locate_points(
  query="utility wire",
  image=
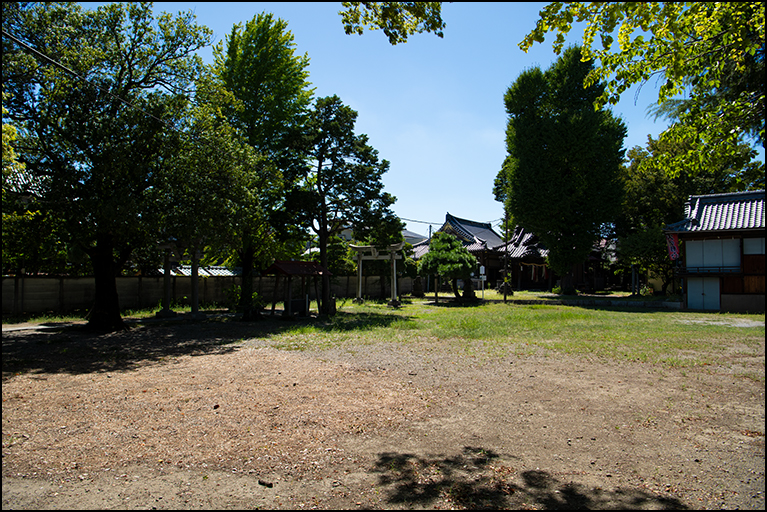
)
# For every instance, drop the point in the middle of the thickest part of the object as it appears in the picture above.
(84, 79)
(105, 91)
(419, 221)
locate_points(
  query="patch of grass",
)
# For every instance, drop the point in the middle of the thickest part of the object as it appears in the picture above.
(494, 330)
(43, 318)
(364, 324)
(670, 338)
(81, 315)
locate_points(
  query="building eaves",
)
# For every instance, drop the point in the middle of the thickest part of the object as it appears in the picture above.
(734, 211)
(471, 231)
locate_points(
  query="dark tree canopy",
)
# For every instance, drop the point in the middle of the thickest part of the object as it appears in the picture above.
(562, 171)
(93, 94)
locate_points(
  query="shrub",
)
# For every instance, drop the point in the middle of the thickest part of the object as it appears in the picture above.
(233, 293)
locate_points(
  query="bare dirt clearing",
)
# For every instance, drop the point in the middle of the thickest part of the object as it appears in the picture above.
(190, 416)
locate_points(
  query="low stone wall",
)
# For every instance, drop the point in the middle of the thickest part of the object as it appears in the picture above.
(648, 304)
(64, 294)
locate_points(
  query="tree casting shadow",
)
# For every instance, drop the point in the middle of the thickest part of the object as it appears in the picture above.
(76, 350)
(477, 479)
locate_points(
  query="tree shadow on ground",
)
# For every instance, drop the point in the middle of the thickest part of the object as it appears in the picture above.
(479, 479)
(76, 350)
(452, 302)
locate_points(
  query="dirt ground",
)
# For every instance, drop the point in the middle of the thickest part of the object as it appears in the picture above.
(185, 416)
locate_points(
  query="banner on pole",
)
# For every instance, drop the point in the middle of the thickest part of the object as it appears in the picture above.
(672, 241)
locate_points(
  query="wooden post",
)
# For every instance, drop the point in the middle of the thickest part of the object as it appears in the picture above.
(195, 283)
(288, 310)
(358, 300)
(506, 280)
(274, 296)
(394, 302)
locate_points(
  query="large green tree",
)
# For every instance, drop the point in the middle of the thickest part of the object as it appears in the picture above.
(564, 157)
(92, 93)
(344, 188)
(260, 66)
(198, 197)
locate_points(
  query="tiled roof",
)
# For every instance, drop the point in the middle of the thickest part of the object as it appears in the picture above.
(476, 236)
(722, 212)
(523, 244)
(412, 237)
(420, 249)
(220, 271)
(186, 270)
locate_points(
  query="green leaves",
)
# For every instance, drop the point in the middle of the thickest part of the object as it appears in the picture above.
(561, 173)
(447, 258)
(699, 43)
(398, 20)
(261, 68)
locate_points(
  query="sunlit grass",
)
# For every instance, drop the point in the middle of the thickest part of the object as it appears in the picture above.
(496, 330)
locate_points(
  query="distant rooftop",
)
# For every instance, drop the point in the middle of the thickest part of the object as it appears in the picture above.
(475, 236)
(722, 212)
(207, 271)
(411, 237)
(523, 244)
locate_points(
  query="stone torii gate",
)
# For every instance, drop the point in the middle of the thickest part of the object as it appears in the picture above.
(370, 252)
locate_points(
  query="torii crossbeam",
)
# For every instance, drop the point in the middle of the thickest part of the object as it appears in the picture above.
(370, 252)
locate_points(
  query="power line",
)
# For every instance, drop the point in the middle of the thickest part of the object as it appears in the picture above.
(500, 221)
(84, 79)
(419, 221)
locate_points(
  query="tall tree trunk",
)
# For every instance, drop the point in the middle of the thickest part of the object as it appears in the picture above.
(324, 308)
(568, 283)
(454, 285)
(468, 289)
(247, 256)
(105, 313)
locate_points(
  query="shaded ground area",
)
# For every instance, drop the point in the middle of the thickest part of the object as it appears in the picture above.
(209, 415)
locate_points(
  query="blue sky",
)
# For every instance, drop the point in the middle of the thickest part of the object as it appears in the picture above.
(432, 107)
